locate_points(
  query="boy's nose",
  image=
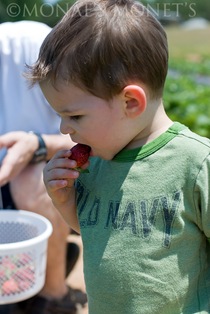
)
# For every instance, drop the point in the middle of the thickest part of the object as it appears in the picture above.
(65, 128)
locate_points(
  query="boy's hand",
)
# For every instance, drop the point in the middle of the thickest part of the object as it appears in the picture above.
(59, 175)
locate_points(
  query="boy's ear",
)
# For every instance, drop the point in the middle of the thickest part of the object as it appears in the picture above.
(135, 100)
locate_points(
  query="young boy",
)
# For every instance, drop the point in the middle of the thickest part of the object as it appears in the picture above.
(143, 209)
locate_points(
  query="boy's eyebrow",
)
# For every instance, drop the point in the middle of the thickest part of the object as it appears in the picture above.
(66, 111)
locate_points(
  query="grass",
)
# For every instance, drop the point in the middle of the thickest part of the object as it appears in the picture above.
(189, 50)
(188, 44)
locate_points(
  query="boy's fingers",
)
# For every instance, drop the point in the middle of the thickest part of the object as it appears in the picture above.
(62, 154)
(63, 174)
(54, 185)
(57, 178)
(61, 160)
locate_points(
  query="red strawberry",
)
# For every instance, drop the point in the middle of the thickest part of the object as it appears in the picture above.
(9, 287)
(80, 153)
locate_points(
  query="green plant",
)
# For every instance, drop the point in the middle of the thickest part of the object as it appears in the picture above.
(188, 102)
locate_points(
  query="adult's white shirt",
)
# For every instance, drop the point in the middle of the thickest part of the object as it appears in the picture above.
(22, 108)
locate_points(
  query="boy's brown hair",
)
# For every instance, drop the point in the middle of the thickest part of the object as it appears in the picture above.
(104, 45)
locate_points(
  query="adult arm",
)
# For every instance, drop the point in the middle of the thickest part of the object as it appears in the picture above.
(20, 150)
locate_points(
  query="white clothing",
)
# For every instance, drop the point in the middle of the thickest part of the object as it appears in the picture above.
(22, 108)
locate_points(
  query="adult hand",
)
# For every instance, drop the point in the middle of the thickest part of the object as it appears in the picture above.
(20, 149)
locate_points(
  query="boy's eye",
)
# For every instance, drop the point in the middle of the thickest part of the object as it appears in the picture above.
(76, 117)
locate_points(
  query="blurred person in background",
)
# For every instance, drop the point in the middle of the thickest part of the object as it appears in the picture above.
(29, 136)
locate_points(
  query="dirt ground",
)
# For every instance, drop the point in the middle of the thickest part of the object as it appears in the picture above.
(76, 278)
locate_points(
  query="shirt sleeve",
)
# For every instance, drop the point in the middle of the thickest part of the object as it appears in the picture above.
(202, 196)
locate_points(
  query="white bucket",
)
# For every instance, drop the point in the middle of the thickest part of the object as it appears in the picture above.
(23, 254)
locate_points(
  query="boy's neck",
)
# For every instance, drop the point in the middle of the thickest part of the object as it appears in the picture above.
(157, 125)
